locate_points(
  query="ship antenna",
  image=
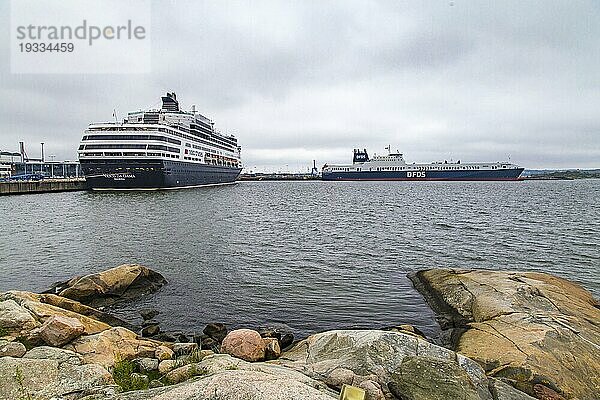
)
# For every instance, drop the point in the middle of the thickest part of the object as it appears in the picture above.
(115, 115)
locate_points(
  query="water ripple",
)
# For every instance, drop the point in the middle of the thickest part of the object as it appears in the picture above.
(312, 255)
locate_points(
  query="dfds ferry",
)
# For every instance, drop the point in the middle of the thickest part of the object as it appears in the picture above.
(393, 168)
(156, 149)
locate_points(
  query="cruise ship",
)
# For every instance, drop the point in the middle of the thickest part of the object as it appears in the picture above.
(158, 149)
(392, 167)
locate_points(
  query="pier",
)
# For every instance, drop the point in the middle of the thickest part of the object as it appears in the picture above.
(42, 186)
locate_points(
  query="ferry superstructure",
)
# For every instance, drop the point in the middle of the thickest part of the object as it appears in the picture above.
(392, 167)
(158, 149)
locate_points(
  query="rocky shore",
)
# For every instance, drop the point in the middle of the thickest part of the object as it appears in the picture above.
(507, 335)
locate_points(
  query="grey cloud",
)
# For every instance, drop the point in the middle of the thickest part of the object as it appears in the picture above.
(303, 80)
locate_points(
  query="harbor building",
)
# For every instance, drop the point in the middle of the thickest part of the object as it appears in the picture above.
(15, 164)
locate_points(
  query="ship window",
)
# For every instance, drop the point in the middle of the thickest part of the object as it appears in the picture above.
(114, 146)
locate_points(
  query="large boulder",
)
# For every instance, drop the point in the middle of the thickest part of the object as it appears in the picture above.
(59, 330)
(530, 329)
(54, 353)
(380, 362)
(419, 378)
(15, 319)
(124, 282)
(113, 344)
(245, 344)
(43, 379)
(82, 309)
(221, 377)
(42, 307)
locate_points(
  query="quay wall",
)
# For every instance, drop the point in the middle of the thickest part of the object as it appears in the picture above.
(43, 186)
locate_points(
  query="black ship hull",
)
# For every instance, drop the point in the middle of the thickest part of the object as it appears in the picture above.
(512, 174)
(153, 174)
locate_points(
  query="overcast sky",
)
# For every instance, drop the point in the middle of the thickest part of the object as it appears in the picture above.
(303, 80)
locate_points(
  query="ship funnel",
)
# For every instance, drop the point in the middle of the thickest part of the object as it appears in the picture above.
(170, 103)
(360, 156)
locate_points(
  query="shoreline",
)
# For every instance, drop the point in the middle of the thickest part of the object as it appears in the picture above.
(477, 310)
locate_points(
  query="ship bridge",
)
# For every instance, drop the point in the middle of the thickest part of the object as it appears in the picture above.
(396, 158)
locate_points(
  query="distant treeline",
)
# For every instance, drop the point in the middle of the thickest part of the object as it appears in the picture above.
(565, 174)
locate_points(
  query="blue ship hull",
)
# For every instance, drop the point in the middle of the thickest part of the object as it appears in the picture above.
(455, 175)
(154, 174)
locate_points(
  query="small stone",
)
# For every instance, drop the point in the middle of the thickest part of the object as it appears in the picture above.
(146, 364)
(59, 330)
(270, 333)
(163, 353)
(406, 328)
(287, 339)
(149, 322)
(216, 331)
(183, 373)
(199, 337)
(151, 330)
(205, 353)
(272, 349)
(245, 344)
(166, 366)
(148, 313)
(165, 337)
(372, 390)
(155, 383)
(503, 391)
(209, 343)
(184, 348)
(12, 349)
(182, 338)
(545, 393)
(34, 338)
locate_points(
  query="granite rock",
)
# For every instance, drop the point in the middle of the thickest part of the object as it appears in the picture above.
(105, 347)
(377, 359)
(59, 330)
(43, 379)
(222, 377)
(245, 344)
(124, 282)
(527, 328)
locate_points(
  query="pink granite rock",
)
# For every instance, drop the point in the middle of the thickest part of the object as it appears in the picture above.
(245, 344)
(59, 330)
